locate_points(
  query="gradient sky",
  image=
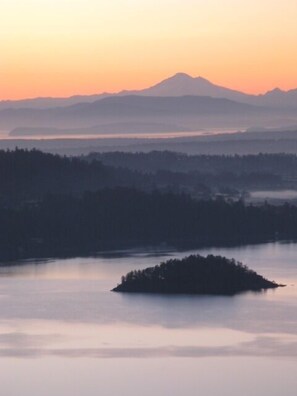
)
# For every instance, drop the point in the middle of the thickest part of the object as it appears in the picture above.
(65, 47)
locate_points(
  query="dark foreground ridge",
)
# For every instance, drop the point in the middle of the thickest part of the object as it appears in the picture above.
(195, 275)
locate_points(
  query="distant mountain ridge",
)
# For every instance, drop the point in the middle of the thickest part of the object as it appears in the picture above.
(177, 104)
(181, 84)
(153, 113)
(279, 98)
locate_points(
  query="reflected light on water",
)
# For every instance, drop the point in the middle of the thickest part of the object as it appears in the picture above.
(60, 320)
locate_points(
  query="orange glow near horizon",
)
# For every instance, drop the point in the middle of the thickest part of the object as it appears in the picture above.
(67, 47)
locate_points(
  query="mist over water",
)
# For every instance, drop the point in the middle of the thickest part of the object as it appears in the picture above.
(59, 319)
(141, 135)
(274, 194)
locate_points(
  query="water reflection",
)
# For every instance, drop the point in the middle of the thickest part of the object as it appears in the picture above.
(51, 338)
(274, 194)
(74, 294)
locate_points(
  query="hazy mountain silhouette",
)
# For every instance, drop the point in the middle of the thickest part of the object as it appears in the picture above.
(180, 84)
(186, 112)
(157, 105)
(179, 103)
(48, 102)
(279, 98)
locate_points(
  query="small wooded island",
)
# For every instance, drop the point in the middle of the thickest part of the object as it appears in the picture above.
(212, 275)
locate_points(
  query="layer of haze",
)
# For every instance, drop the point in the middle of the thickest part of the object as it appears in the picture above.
(64, 47)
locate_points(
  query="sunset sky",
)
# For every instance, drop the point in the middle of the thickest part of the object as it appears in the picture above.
(66, 47)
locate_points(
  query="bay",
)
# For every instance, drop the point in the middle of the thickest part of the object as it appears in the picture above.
(62, 332)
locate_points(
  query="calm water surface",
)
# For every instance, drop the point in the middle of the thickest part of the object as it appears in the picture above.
(62, 332)
(278, 195)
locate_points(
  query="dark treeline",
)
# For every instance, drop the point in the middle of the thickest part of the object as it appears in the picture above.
(277, 164)
(281, 166)
(216, 173)
(51, 205)
(29, 175)
(207, 184)
(121, 218)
